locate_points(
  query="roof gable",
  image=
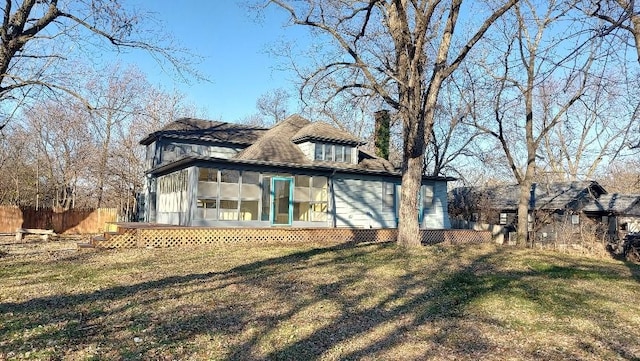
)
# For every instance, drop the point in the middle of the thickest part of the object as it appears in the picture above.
(275, 145)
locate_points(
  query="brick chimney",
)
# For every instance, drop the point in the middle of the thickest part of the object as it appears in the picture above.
(381, 133)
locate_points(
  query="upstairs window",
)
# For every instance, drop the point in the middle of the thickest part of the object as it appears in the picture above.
(333, 153)
(319, 152)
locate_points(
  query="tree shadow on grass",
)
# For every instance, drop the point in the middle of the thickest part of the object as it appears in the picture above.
(350, 301)
(74, 319)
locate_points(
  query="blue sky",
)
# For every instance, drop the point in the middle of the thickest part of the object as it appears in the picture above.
(234, 47)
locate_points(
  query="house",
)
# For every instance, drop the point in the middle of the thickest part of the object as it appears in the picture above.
(619, 213)
(298, 173)
(552, 207)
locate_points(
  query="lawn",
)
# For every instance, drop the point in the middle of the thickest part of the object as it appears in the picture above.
(318, 302)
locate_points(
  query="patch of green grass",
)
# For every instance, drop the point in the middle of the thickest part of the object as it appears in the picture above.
(319, 302)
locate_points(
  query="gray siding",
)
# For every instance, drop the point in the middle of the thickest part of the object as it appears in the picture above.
(151, 157)
(357, 202)
(437, 215)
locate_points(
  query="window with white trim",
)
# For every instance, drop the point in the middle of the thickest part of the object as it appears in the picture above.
(333, 152)
(503, 218)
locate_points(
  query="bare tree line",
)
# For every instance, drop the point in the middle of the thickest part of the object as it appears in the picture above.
(69, 124)
(64, 155)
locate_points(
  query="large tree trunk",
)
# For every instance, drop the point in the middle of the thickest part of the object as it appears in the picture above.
(418, 129)
(523, 212)
(526, 179)
(408, 227)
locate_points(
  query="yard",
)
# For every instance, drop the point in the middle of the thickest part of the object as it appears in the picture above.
(324, 302)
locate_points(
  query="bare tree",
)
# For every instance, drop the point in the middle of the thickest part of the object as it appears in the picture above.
(272, 108)
(622, 177)
(452, 139)
(38, 39)
(116, 95)
(618, 15)
(398, 51)
(62, 151)
(18, 167)
(620, 25)
(593, 132)
(531, 59)
(127, 158)
(273, 105)
(126, 108)
(69, 156)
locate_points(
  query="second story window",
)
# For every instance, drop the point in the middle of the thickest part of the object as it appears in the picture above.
(333, 152)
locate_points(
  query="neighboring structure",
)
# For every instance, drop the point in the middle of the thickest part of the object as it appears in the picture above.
(553, 208)
(298, 173)
(619, 214)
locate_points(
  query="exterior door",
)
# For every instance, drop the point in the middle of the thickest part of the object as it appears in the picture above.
(281, 201)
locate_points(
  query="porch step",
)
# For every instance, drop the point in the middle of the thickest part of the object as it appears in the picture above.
(84, 245)
(98, 239)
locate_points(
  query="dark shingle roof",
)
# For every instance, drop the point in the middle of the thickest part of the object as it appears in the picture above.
(561, 195)
(324, 132)
(279, 145)
(627, 204)
(275, 145)
(548, 196)
(367, 160)
(186, 124)
(207, 130)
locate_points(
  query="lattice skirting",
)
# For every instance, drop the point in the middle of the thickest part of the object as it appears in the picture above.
(185, 236)
(454, 236)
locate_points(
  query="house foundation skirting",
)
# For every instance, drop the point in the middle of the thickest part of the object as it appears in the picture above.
(162, 237)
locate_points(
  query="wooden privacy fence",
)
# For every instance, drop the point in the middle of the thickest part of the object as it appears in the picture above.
(159, 237)
(74, 221)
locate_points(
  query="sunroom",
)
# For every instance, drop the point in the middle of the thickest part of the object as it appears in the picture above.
(253, 198)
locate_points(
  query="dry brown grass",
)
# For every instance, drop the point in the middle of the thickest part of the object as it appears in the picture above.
(318, 302)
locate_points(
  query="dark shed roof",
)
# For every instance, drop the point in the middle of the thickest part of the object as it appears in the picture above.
(548, 196)
(622, 204)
